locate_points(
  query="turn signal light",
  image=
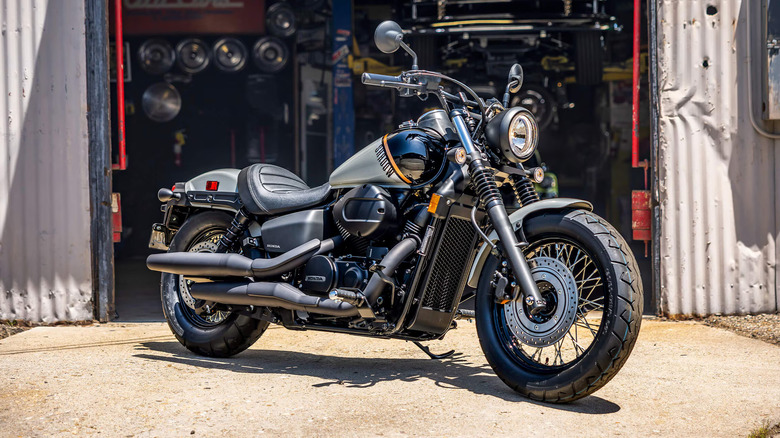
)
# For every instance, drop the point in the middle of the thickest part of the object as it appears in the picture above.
(212, 186)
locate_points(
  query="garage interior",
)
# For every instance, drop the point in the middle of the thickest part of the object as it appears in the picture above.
(227, 83)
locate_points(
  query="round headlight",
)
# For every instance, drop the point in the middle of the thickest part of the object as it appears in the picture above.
(513, 134)
(523, 135)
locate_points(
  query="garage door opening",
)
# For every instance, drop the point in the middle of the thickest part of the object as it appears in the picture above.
(224, 84)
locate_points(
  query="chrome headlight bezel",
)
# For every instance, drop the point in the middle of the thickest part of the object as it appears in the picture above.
(502, 130)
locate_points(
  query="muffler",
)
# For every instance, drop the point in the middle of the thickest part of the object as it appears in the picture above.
(203, 264)
(269, 294)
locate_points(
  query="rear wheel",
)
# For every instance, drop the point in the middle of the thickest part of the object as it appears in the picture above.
(199, 325)
(590, 281)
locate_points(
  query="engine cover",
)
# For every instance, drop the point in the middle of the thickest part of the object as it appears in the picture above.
(319, 274)
(322, 274)
(366, 211)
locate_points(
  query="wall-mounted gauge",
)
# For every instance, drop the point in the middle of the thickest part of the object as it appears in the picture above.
(161, 102)
(270, 54)
(193, 55)
(156, 56)
(280, 19)
(229, 54)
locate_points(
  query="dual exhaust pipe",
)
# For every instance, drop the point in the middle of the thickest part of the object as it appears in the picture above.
(270, 293)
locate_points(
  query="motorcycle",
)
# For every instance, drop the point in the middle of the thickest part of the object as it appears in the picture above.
(387, 247)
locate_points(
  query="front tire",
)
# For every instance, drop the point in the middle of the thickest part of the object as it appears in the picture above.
(196, 326)
(591, 281)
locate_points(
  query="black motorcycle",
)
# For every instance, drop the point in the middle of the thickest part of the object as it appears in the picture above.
(389, 245)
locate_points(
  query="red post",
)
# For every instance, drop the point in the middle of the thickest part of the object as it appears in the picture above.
(120, 85)
(635, 89)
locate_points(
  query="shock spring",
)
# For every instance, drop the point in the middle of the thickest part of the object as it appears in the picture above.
(237, 227)
(485, 184)
(524, 190)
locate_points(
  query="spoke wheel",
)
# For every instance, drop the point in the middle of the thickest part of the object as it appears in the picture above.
(197, 324)
(580, 340)
(200, 312)
(572, 285)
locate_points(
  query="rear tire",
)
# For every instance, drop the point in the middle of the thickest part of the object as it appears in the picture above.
(590, 58)
(592, 359)
(226, 334)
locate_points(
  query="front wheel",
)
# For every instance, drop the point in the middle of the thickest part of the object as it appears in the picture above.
(590, 281)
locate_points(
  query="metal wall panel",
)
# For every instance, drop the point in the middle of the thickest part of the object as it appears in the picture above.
(45, 272)
(717, 177)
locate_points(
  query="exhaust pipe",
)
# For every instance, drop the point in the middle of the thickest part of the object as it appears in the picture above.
(269, 294)
(203, 264)
(390, 261)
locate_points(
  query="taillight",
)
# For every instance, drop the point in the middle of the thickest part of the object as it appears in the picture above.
(212, 186)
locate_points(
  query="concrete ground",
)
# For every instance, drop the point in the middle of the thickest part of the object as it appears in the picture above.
(683, 379)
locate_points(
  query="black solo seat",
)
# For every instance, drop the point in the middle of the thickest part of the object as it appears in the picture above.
(266, 189)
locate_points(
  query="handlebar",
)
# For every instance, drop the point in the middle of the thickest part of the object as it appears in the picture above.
(383, 80)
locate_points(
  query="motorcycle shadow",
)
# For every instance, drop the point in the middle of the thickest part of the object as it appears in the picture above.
(456, 372)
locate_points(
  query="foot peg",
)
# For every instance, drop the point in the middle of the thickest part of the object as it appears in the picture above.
(465, 314)
(427, 351)
(355, 298)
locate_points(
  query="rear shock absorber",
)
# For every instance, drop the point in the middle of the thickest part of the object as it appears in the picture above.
(237, 227)
(524, 190)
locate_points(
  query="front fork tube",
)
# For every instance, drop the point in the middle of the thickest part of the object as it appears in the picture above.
(518, 262)
(488, 192)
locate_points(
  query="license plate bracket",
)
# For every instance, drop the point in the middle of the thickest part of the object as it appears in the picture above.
(159, 237)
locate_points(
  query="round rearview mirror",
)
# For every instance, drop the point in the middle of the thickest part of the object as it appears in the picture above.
(388, 36)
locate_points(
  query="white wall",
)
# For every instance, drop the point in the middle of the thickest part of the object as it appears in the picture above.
(45, 271)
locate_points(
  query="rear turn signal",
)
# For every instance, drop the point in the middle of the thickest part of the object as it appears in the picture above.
(212, 186)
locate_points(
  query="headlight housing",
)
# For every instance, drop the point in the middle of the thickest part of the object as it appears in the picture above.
(513, 134)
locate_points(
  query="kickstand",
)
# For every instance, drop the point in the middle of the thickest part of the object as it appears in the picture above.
(431, 355)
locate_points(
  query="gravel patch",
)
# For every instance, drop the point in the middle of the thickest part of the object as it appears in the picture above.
(7, 330)
(764, 327)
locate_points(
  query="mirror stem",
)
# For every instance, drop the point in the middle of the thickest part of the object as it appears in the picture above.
(506, 94)
(411, 52)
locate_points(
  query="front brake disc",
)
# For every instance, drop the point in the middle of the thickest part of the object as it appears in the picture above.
(559, 289)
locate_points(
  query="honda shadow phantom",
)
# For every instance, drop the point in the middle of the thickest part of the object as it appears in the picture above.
(403, 233)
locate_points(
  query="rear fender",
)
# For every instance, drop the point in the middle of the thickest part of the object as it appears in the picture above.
(517, 219)
(224, 198)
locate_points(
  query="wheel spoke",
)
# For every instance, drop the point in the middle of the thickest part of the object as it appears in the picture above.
(593, 303)
(558, 352)
(565, 343)
(577, 347)
(581, 317)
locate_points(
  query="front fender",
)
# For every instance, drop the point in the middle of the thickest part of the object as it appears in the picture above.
(516, 219)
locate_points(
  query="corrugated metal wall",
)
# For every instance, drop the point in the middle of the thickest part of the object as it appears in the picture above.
(717, 178)
(45, 272)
